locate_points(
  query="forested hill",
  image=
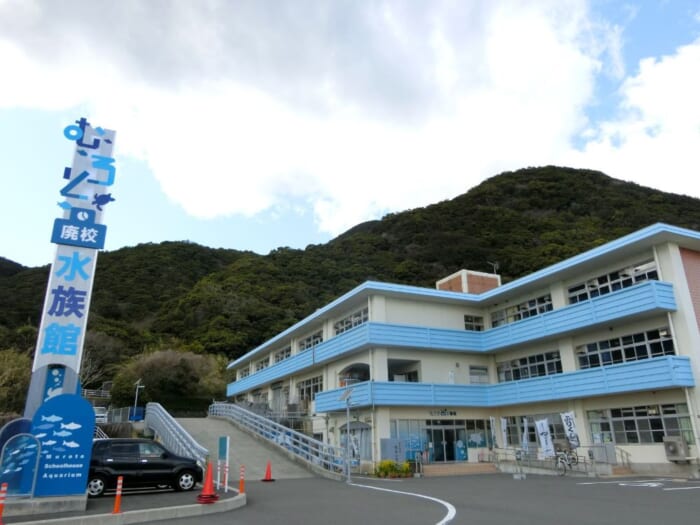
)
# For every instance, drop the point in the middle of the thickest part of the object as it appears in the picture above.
(181, 295)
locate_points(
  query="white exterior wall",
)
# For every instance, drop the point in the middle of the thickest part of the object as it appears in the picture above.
(400, 311)
(453, 367)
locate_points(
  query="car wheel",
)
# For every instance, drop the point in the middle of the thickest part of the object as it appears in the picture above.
(185, 480)
(96, 486)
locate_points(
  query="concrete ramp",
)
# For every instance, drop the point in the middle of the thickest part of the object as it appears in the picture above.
(244, 450)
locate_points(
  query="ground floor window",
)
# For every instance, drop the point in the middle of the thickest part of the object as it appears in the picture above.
(360, 440)
(521, 431)
(441, 440)
(640, 424)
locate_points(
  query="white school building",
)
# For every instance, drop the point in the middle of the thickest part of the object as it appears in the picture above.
(609, 338)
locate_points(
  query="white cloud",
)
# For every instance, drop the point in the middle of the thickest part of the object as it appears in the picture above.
(357, 108)
(656, 139)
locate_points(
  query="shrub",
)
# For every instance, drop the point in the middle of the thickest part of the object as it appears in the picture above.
(388, 468)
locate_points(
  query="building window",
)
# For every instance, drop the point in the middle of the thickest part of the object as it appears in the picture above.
(613, 281)
(528, 367)
(642, 345)
(308, 388)
(283, 354)
(352, 320)
(641, 424)
(524, 310)
(478, 374)
(311, 341)
(514, 429)
(262, 364)
(244, 372)
(474, 322)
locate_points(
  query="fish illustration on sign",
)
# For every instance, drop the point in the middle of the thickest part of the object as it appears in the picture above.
(49, 443)
(52, 418)
(71, 444)
(71, 426)
(39, 436)
(45, 426)
(62, 433)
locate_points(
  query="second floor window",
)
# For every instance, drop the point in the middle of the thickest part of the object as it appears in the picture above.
(524, 310)
(632, 347)
(309, 387)
(537, 365)
(474, 322)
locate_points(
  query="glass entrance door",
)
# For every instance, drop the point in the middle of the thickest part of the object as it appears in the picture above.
(443, 441)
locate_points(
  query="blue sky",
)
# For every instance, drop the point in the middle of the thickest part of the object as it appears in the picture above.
(259, 124)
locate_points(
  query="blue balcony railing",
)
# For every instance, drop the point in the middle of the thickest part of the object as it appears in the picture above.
(649, 374)
(645, 299)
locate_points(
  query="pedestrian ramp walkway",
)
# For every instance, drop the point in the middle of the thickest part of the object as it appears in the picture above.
(244, 450)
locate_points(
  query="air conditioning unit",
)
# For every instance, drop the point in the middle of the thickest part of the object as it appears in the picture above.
(676, 448)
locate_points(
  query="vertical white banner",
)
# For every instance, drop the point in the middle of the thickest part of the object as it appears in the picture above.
(568, 419)
(545, 438)
(492, 421)
(504, 432)
(524, 437)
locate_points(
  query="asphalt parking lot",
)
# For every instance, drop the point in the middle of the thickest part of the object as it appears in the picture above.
(475, 500)
(494, 499)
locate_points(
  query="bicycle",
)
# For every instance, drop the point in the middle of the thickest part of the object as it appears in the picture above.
(565, 459)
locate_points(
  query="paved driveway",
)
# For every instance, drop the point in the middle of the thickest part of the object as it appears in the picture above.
(495, 499)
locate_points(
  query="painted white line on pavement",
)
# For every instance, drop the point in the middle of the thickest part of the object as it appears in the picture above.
(621, 481)
(686, 488)
(451, 511)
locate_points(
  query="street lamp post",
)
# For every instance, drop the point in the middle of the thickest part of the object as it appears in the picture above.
(346, 397)
(138, 386)
(347, 437)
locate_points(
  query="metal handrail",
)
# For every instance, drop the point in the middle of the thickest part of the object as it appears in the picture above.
(530, 459)
(310, 451)
(175, 438)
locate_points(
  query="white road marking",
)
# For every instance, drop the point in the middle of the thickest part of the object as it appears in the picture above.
(686, 488)
(618, 482)
(451, 511)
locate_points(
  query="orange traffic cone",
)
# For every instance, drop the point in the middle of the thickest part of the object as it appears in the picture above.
(208, 495)
(268, 472)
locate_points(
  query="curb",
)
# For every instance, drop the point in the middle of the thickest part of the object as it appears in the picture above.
(148, 515)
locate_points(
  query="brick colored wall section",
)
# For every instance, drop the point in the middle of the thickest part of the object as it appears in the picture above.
(452, 285)
(691, 265)
(481, 283)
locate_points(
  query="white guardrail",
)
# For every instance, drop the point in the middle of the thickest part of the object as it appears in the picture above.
(172, 435)
(311, 451)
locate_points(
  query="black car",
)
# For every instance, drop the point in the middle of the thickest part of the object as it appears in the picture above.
(141, 463)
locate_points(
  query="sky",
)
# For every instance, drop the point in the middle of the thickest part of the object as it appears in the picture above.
(259, 124)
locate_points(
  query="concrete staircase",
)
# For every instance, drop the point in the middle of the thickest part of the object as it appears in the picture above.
(458, 469)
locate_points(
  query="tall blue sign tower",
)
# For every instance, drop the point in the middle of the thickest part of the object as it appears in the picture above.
(54, 439)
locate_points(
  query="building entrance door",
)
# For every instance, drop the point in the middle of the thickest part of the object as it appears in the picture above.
(443, 440)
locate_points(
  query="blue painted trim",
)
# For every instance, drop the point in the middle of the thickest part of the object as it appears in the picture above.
(646, 237)
(647, 298)
(649, 374)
